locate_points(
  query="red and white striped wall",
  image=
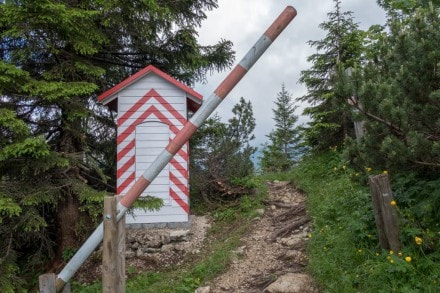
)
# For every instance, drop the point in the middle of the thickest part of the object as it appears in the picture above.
(144, 129)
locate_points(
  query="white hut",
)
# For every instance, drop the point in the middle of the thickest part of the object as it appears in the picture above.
(152, 107)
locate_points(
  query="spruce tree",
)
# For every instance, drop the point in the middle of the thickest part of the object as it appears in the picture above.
(283, 149)
(340, 48)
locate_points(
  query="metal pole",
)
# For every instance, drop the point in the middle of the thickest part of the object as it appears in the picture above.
(180, 139)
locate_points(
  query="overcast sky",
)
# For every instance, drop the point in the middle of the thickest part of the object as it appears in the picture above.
(244, 21)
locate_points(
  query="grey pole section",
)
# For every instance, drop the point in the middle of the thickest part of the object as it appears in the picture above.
(180, 139)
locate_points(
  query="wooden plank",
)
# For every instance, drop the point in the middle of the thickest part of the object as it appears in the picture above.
(110, 242)
(126, 102)
(385, 213)
(132, 121)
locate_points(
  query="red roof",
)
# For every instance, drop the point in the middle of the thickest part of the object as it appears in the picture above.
(194, 104)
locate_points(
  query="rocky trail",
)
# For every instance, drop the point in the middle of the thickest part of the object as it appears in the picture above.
(272, 256)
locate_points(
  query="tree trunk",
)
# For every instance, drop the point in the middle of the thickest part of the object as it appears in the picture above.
(67, 217)
(68, 212)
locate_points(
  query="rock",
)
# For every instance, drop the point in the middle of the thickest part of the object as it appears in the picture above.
(130, 254)
(152, 250)
(179, 247)
(165, 239)
(130, 238)
(179, 235)
(225, 287)
(279, 184)
(260, 211)
(240, 250)
(285, 199)
(291, 241)
(297, 257)
(291, 283)
(206, 289)
(155, 243)
(167, 247)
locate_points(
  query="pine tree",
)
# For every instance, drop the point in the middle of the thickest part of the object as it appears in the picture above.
(329, 113)
(57, 145)
(283, 149)
(399, 94)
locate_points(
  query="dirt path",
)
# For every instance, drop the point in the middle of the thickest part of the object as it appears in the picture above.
(272, 258)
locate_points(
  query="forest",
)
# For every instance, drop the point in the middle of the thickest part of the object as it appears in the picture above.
(58, 151)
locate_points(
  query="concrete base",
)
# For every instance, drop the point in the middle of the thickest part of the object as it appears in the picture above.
(169, 225)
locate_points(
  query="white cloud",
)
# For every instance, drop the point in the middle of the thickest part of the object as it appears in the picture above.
(243, 22)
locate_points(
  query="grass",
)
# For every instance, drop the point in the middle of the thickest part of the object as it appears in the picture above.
(343, 251)
(224, 237)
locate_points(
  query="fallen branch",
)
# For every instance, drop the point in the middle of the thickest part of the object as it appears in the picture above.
(293, 211)
(278, 204)
(284, 231)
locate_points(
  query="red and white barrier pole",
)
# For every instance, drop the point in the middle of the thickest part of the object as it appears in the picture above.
(180, 139)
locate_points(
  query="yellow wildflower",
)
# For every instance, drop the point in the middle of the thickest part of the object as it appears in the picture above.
(391, 260)
(393, 203)
(344, 167)
(418, 240)
(408, 259)
(385, 172)
(309, 235)
(399, 254)
(391, 252)
(335, 169)
(368, 169)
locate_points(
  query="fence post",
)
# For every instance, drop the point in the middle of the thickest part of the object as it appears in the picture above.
(47, 284)
(120, 254)
(110, 247)
(385, 213)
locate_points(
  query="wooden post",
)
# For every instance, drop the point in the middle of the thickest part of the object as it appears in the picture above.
(47, 284)
(120, 255)
(113, 272)
(384, 212)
